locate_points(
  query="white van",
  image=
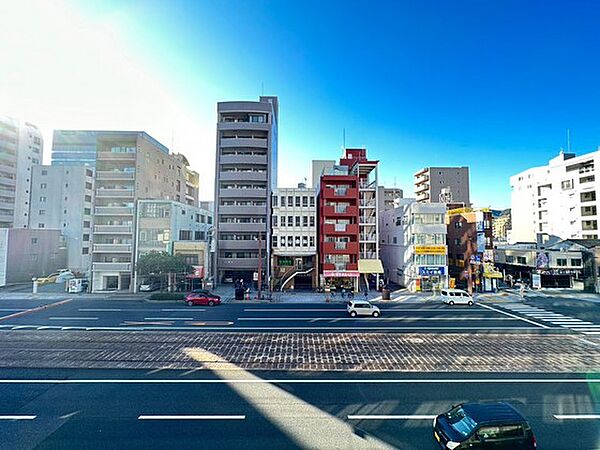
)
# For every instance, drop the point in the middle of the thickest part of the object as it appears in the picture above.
(362, 308)
(457, 297)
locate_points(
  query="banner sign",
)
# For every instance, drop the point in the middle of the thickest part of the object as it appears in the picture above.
(430, 249)
(340, 273)
(429, 271)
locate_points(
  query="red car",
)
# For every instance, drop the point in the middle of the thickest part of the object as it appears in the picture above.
(202, 298)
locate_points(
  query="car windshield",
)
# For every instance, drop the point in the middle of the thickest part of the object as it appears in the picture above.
(460, 421)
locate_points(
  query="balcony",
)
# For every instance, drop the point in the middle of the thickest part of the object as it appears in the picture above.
(339, 193)
(114, 210)
(372, 237)
(110, 156)
(368, 255)
(109, 192)
(242, 193)
(243, 126)
(243, 176)
(242, 227)
(342, 229)
(251, 244)
(339, 266)
(421, 188)
(244, 142)
(6, 218)
(367, 186)
(422, 178)
(111, 266)
(114, 175)
(113, 229)
(344, 248)
(422, 196)
(243, 210)
(330, 210)
(112, 248)
(367, 220)
(243, 159)
(237, 263)
(7, 193)
(368, 203)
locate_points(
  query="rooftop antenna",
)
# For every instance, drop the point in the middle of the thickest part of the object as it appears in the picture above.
(394, 182)
(568, 140)
(344, 138)
(262, 88)
(172, 140)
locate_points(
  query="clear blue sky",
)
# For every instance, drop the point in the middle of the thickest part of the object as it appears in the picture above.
(492, 85)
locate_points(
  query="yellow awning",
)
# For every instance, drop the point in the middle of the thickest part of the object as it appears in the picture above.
(370, 266)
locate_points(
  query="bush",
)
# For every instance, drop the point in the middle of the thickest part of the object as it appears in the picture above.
(167, 296)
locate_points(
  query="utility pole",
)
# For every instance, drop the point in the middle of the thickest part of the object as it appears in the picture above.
(259, 265)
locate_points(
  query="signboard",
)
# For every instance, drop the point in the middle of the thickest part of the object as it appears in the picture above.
(536, 281)
(542, 261)
(429, 271)
(430, 249)
(488, 255)
(340, 273)
(475, 259)
(479, 226)
(480, 242)
(455, 211)
(255, 276)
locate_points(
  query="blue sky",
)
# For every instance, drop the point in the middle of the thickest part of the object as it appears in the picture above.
(492, 85)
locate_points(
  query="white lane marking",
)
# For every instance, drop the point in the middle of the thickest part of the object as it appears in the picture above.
(191, 417)
(12, 309)
(547, 316)
(512, 315)
(585, 325)
(577, 416)
(300, 319)
(303, 381)
(392, 417)
(571, 321)
(593, 333)
(274, 328)
(168, 318)
(17, 417)
(99, 309)
(73, 318)
(181, 309)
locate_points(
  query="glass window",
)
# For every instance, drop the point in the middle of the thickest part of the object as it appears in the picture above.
(312, 221)
(460, 421)
(297, 221)
(297, 200)
(304, 201)
(312, 201)
(274, 241)
(290, 201)
(290, 221)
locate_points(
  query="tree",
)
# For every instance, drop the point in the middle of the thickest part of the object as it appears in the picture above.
(162, 263)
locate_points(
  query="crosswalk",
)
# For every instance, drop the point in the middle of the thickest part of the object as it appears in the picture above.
(556, 319)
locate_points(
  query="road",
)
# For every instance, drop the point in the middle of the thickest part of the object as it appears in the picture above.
(132, 409)
(420, 315)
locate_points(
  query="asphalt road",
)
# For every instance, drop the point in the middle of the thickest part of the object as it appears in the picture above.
(62, 409)
(417, 316)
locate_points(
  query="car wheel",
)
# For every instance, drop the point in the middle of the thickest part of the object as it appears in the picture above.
(375, 313)
(190, 303)
(470, 302)
(353, 314)
(211, 303)
(451, 302)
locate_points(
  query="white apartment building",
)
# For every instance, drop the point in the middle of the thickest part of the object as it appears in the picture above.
(413, 245)
(62, 199)
(21, 147)
(556, 200)
(294, 238)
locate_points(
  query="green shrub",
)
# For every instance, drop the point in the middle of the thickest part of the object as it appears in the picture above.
(167, 296)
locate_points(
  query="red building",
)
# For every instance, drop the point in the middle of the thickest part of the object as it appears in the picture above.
(348, 238)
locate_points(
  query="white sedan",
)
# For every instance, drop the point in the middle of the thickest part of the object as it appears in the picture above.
(362, 308)
(457, 297)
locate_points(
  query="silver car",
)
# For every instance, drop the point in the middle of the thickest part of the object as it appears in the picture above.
(362, 308)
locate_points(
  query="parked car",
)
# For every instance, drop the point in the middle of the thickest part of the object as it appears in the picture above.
(195, 299)
(496, 425)
(457, 297)
(149, 286)
(362, 308)
(48, 279)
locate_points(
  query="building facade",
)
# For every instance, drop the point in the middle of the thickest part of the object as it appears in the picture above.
(294, 238)
(471, 249)
(413, 245)
(130, 166)
(246, 174)
(175, 228)
(388, 198)
(30, 253)
(430, 182)
(62, 199)
(75, 147)
(556, 200)
(501, 226)
(21, 147)
(348, 227)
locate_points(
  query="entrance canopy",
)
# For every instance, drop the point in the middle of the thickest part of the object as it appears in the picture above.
(370, 266)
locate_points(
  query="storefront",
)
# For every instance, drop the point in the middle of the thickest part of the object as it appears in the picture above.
(431, 278)
(431, 267)
(341, 279)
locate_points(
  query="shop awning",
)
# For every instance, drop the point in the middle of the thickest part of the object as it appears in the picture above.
(370, 266)
(198, 272)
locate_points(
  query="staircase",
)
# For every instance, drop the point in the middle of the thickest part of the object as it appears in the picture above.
(296, 272)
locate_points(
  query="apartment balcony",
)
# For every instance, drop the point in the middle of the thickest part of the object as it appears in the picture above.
(243, 176)
(111, 266)
(367, 203)
(368, 237)
(422, 178)
(114, 210)
(242, 193)
(243, 210)
(339, 266)
(423, 187)
(113, 229)
(7, 193)
(7, 181)
(330, 210)
(5, 218)
(243, 159)
(339, 193)
(114, 175)
(112, 248)
(110, 156)
(237, 263)
(368, 255)
(341, 229)
(367, 220)
(7, 205)
(119, 193)
(243, 126)
(243, 227)
(421, 196)
(340, 248)
(244, 142)
(251, 244)
(367, 186)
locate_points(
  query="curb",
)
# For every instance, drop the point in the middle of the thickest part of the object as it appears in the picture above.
(38, 308)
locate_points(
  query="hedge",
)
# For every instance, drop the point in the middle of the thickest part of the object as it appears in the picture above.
(167, 296)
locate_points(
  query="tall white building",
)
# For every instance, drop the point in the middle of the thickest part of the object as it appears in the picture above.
(556, 200)
(413, 245)
(21, 147)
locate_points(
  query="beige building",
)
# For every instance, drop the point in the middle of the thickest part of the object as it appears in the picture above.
(501, 226)
(130, 166)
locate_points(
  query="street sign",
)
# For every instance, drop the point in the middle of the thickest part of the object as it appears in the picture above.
(255, 276)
